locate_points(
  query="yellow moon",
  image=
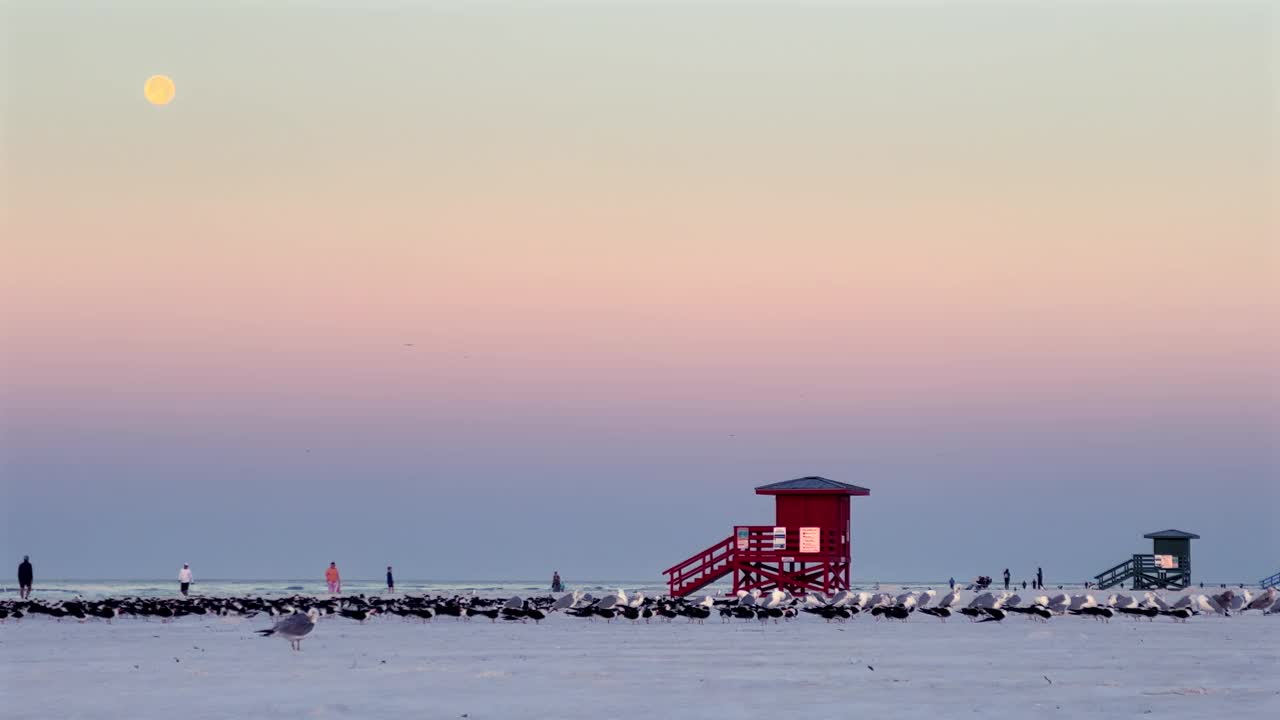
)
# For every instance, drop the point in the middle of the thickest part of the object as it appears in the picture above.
(158, 90)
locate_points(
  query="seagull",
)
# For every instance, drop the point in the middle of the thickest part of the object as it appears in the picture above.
(985, 600)
(1122, 602)
(1222, 603)
(1059, 603)
(1080, 602)
(294, 628)
(1154, 599)
(1263, 601)
(939, 612)
(993, 614)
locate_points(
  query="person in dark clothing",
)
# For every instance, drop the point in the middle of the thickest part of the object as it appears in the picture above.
(953, 583)
(26, 576)
(1040, 578)
(1024, 584)
(391, 581)
(556, 585)
(1006, 578)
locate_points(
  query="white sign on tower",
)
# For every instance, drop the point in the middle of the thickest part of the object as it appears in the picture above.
(810, 539)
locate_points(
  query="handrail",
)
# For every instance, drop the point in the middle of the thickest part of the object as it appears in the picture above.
(701, 568)
(1270, 582)
(1118, 574)
(1127, 564)
(698, 556)
(705, 564)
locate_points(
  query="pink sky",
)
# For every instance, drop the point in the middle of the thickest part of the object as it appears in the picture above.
(842, 232)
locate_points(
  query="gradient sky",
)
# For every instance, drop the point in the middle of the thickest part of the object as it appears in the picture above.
(1012, 267)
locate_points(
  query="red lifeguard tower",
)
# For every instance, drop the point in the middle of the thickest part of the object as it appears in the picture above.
(807, 550)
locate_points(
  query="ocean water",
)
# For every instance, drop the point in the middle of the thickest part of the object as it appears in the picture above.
(99, 588)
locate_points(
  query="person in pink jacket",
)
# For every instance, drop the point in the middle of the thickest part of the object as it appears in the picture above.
(332, 577)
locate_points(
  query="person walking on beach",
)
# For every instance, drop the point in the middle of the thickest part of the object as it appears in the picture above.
(26, 576)
(953, 583)
(1039, 578)
(391, 581)
(556, 585)
(332, 577)
(1006, 578)
(184, 579)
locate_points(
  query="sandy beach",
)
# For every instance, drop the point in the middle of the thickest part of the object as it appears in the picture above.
(569, 668)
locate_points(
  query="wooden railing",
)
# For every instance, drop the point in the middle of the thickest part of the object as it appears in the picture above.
(1273, 581)
(1115, 575)
(700, 569)
(760, 544)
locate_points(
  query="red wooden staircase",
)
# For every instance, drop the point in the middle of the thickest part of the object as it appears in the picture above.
(701, 569)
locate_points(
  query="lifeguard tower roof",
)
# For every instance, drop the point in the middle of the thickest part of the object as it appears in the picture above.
(811, 484)
(1171, 535)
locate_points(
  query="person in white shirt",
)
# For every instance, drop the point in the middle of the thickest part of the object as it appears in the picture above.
(184, 579)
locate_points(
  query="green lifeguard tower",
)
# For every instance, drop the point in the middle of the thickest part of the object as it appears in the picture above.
(1168, 567)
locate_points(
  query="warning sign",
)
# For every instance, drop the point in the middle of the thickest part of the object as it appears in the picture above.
(810, 539)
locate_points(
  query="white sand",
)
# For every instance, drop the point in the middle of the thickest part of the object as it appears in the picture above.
(569, 668)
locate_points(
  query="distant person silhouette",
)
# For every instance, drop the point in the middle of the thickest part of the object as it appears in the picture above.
(1040, 578)
(26, 576)
(184, 579)
(332, 577)
(391, 581)
(1006, 578)
(556, 585)
(953, 583)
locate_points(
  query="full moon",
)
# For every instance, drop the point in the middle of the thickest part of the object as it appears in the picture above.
(158, 90)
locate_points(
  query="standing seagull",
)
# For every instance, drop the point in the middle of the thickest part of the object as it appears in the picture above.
(294, 628)
(1262, 602)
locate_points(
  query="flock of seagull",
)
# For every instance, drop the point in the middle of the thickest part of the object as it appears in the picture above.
(295, 617)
